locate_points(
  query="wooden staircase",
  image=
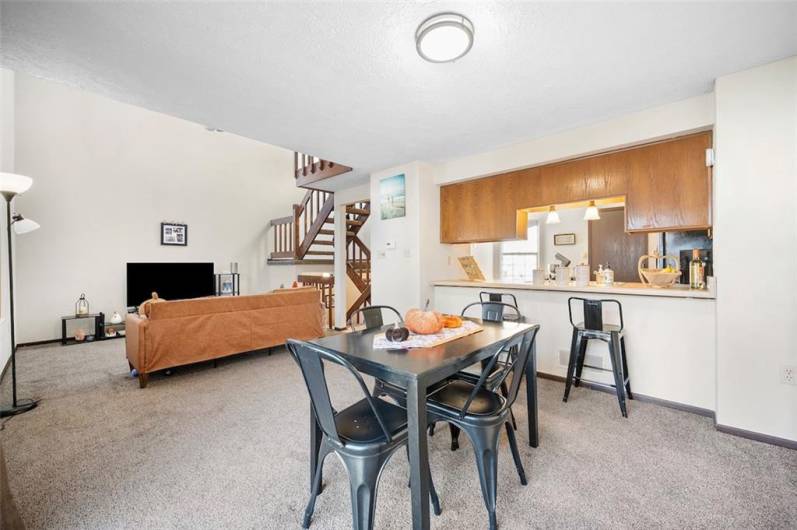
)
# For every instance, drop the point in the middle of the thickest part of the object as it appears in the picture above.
(358, 255)
(309, 170)
(307, 236)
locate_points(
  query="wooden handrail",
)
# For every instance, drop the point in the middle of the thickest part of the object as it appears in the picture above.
(308, 169)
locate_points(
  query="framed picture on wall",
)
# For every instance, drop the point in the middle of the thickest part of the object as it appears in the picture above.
(564, 239)
(174, 234)
(392, 197)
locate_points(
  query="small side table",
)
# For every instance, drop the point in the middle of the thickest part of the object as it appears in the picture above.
(228, 284)
(97, 326)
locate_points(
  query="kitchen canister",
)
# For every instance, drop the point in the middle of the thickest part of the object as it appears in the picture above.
(538, 276)
(582, 275)
(562, 275)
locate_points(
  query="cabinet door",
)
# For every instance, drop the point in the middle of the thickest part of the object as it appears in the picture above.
(669, 185)
(481, 210)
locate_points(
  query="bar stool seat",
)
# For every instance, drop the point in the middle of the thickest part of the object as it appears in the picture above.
(593, 328)
(607, 328)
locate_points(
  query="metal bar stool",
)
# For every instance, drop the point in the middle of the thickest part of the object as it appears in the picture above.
(593, 327)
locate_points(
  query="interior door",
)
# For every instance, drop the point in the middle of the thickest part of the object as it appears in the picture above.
(610, 244)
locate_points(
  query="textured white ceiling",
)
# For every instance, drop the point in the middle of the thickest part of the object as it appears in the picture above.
(342, 80)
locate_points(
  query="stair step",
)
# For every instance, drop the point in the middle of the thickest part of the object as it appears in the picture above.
(329, 220)
(354, 222)
(326, 232)
(323, 242)
(357, 211)
(319, 253)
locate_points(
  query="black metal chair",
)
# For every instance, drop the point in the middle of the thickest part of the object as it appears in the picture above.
(506, 298)
(482, 413)
(373, 316)
(364, 435)
(593, 327)
(492, 311)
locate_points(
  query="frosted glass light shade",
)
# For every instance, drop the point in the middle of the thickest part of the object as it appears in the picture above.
(14, 184)
(553, 216)
(23, 226)
(592, 212)
(444, 37)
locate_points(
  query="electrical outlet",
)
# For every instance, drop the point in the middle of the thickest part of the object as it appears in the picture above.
(788, 375)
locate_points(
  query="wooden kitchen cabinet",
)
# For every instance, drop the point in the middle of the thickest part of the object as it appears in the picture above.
(482, 210)
(666, 185)
(669, 186)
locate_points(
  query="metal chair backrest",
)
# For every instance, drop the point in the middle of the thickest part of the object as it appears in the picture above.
(310, 359)
(496, 311)
(515, 365)
(373, 316)
(507, 298)
(593, 312)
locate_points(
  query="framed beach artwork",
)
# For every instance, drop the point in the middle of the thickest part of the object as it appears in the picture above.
(392, 197)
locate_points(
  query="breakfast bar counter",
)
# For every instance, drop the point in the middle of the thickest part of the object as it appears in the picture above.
(669, 334)
(629, 288)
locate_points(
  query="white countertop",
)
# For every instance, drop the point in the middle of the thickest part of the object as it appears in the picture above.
(630, 288)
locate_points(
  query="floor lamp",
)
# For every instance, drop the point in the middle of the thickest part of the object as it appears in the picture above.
(12, 185)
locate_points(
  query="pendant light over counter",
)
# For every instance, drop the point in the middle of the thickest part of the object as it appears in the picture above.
(592, 212)
(553, 216)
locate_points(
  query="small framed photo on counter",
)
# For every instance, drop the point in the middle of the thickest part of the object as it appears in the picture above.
(564, 239)
(174, 234)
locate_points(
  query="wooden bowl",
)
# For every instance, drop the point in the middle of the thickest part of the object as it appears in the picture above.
(659, 278)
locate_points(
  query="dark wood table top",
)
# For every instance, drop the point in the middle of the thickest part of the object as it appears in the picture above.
(427, 365)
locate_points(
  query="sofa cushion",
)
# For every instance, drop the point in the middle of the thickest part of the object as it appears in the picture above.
(228, 304)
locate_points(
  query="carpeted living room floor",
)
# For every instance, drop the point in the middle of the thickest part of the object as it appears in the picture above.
(227, 447)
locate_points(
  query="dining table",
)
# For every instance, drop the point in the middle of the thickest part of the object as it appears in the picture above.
(416, 370)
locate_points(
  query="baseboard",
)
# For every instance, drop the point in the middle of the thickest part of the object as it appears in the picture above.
(37, 343)
(756, 436)
(638, 397)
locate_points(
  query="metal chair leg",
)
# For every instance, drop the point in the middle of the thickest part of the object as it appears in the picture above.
(582, 355)
(510, 433)
(505, 393)
(363, 479)
(571, 364)
(617, 370)
(625, 369)
(454, 436)
(432, 491)
(308, 512)
(485, 445)
(431, 429)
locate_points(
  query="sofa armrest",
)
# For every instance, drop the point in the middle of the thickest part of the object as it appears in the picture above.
(135, 341)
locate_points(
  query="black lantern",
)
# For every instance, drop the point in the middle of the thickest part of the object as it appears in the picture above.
(82, 306)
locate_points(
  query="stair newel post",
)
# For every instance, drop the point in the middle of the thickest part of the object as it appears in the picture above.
(296, 217)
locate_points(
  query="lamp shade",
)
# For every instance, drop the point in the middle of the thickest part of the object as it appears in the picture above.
(23, 226)
(553, 216)
(591, 214)
(14, 184)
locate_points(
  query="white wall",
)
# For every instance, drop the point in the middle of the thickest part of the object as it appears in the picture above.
(572, 223)
(401, 276)
(107, 174)
(6, 165)
(756, 178)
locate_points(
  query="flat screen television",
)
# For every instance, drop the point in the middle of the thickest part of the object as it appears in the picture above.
(172, 281)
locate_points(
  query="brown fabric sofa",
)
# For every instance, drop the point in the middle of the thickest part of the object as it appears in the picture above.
(188, 331)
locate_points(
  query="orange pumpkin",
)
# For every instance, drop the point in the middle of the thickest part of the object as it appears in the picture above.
(423, 322)
(452, 321)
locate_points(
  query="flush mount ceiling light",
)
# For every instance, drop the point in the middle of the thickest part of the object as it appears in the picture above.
(444, 37)
(592, 212)
(553, 216)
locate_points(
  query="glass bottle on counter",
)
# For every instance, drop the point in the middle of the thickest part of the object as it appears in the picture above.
(697, 271)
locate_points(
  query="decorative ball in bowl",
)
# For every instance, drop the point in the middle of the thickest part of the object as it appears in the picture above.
(661, 278)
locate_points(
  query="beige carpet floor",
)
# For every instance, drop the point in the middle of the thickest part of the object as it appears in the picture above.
(227, 447)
